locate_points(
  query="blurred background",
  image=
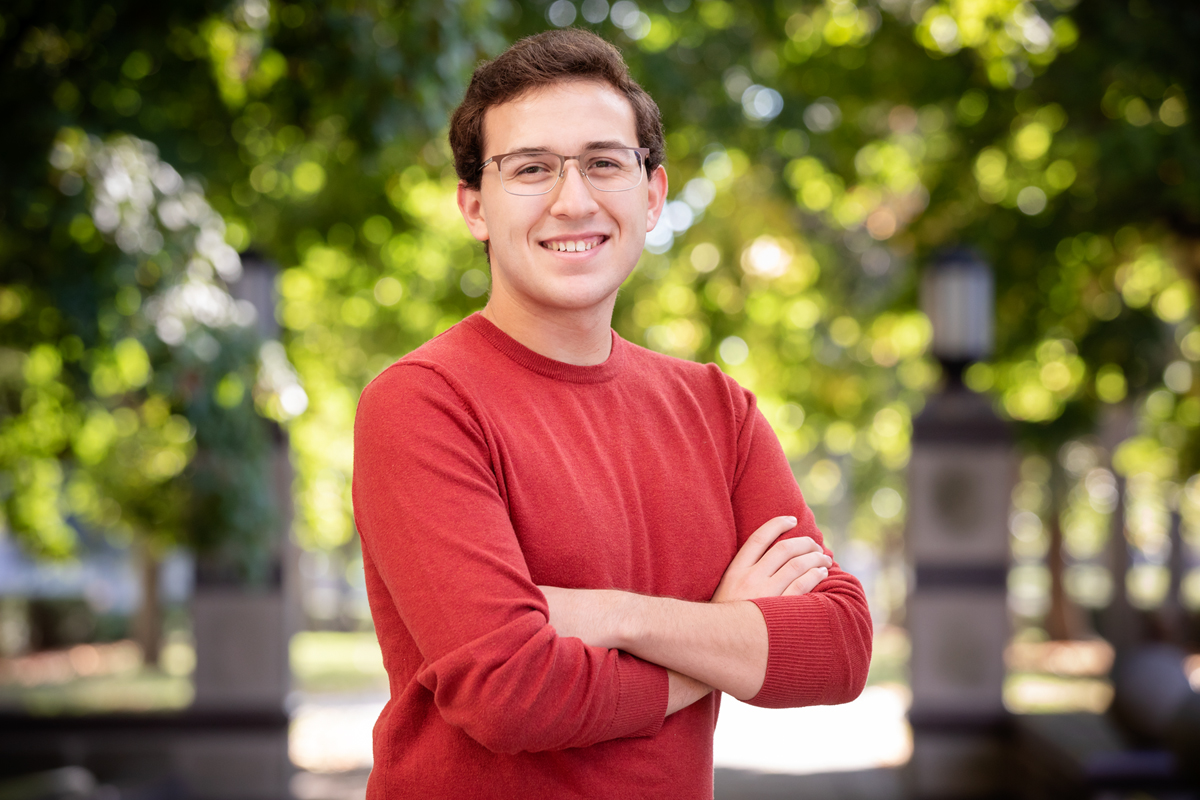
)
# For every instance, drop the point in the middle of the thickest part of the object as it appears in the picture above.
(952, 246)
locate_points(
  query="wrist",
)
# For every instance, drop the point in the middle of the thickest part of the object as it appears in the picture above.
(623, 615)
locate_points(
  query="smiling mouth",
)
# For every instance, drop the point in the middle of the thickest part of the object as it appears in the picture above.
(574, 246)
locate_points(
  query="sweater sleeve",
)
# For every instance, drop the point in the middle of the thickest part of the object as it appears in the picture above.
(429, 511)
(819, 644)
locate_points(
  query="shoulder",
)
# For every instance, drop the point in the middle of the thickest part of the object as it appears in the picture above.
(453, 349)
(649, 361)
(432, 373)
(705, 383)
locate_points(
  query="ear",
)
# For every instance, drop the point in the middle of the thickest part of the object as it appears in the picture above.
(470, 205)
(657, 195)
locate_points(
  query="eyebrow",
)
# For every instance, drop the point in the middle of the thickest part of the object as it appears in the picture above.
(601, 145)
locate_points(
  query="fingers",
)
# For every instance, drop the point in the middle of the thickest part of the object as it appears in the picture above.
(799, 566)
(759, 541)
(766, 567)
(806, 582)
(781, 553)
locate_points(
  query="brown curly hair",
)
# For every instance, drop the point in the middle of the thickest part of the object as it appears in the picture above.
(541, 60)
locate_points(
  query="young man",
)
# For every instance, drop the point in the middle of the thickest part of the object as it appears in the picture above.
(573, 544)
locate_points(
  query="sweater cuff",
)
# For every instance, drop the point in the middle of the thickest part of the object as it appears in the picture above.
(641, 700)
(798, 646)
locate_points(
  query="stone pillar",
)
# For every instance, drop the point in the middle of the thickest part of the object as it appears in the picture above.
(960, 477)
(243, 676)
(242, 632)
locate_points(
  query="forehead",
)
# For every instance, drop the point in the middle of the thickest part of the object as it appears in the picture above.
(562, 115)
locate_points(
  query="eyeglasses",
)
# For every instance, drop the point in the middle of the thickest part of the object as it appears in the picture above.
(609, 169)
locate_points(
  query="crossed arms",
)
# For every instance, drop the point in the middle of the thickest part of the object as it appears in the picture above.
(717, 645)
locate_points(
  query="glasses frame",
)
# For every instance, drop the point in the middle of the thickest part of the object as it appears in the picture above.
(644, 152)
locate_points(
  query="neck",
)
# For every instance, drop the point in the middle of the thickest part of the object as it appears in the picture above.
(582, 337)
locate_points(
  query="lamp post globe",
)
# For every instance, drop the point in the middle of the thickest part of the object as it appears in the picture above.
(957, 296)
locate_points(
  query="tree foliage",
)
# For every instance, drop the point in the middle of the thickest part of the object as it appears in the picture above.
(818, 153)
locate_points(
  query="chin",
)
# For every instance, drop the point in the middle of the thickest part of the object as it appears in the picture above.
(577, 301)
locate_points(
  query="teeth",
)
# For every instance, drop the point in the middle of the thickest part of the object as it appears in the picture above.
(570, 247)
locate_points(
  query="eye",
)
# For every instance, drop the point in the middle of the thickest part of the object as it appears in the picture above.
(609, 161)
(529, 168)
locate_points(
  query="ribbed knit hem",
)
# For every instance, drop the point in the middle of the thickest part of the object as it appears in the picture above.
(641, 699)
(548, 367)
(798, 644)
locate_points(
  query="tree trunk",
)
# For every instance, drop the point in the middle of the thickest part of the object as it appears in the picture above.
(147, 623)
(1172, 616)
(1063, 621)
(1122, 626)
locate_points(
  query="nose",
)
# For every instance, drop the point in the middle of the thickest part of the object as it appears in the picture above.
(573, 195)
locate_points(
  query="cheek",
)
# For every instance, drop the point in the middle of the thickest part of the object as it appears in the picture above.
(518, 225)
(640, 213)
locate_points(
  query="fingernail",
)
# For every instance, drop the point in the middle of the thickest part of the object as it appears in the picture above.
(792, 520)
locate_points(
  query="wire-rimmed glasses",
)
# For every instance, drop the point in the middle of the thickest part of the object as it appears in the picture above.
(608, 169)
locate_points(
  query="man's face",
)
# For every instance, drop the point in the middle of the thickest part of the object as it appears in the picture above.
(524, 232)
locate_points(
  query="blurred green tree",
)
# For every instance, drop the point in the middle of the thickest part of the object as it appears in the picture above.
(818, 153)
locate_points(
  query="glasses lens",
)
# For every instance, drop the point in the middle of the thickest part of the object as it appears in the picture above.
(612, 169)
(529, 173)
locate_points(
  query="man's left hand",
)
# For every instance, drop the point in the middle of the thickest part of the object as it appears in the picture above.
(766, 567)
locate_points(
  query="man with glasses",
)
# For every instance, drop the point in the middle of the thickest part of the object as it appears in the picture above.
(570, 541)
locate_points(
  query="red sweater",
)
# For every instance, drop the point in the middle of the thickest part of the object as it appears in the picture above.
(482, 469)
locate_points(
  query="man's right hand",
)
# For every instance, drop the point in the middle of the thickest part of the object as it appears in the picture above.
(765, 567)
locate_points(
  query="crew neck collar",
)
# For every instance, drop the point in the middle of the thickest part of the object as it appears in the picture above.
(548, 367)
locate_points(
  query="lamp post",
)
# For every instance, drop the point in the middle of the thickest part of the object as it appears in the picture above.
(957, 296)
(960, 480)
(242, 676)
